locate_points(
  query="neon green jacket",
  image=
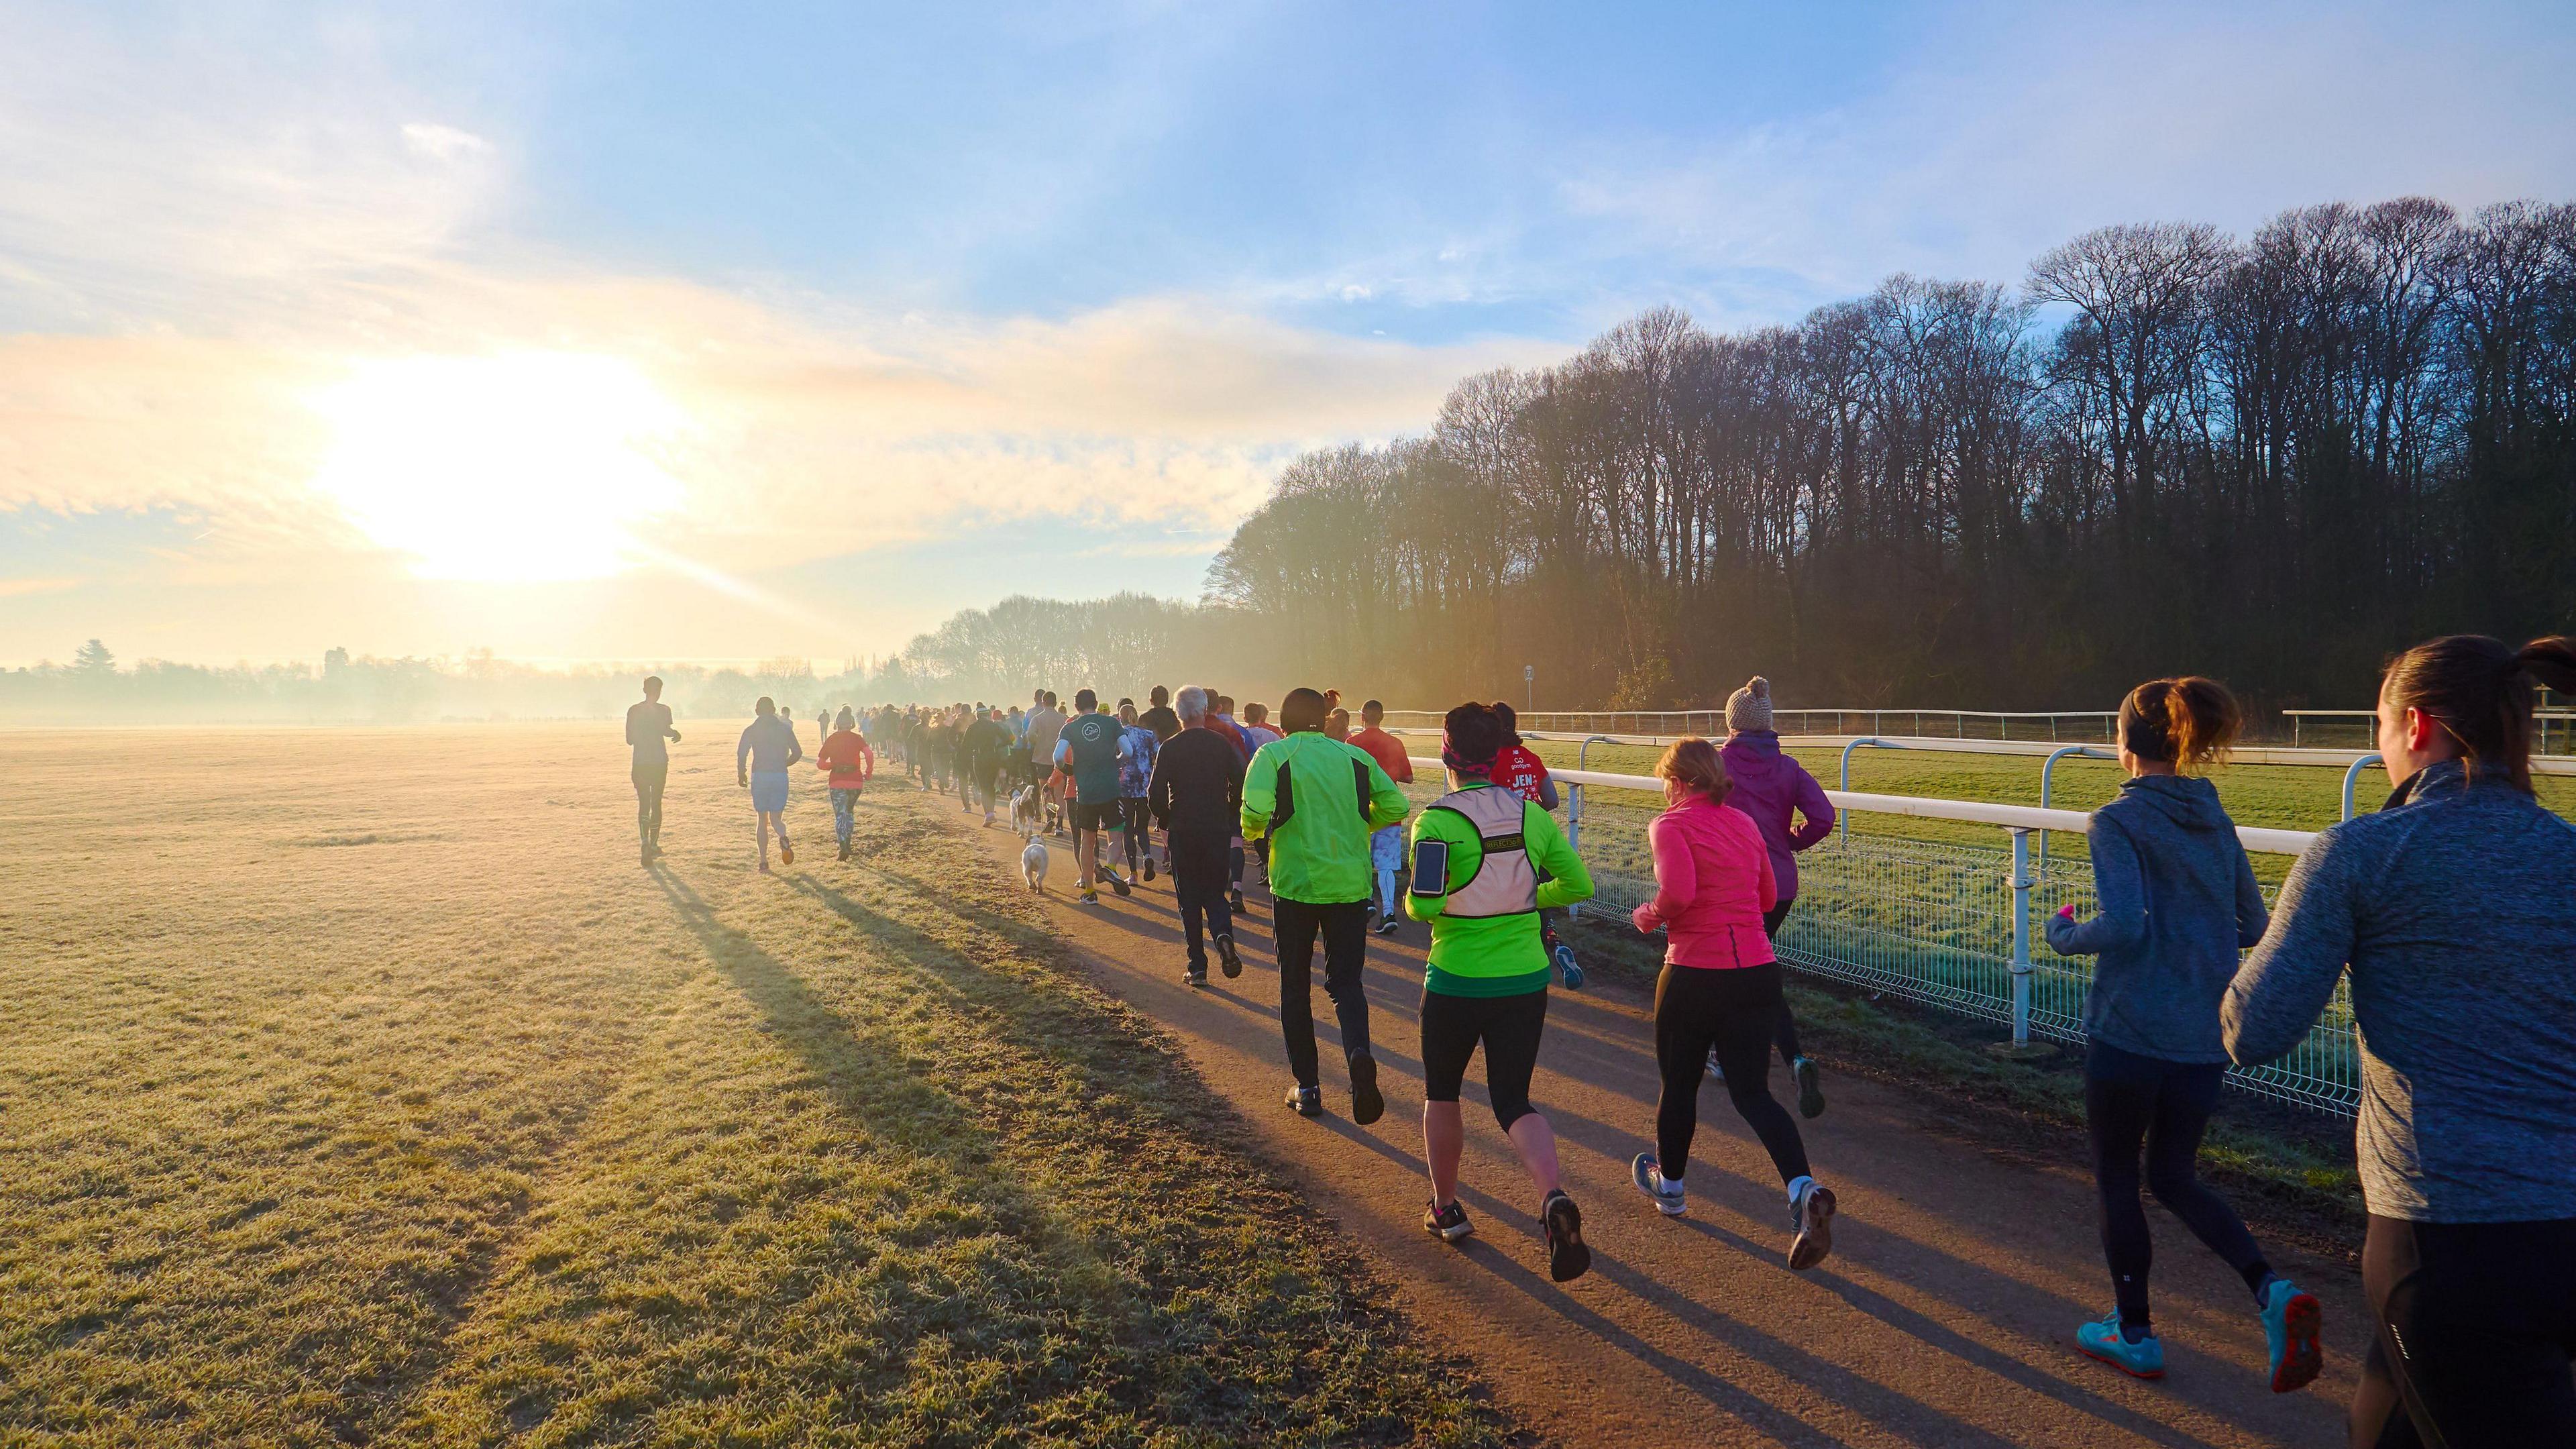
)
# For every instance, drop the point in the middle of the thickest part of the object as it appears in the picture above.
(1492, 955)
(1319, 848)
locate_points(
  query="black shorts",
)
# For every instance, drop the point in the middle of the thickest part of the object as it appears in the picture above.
(1099, 814)
(1507, 1026)
(655, 773)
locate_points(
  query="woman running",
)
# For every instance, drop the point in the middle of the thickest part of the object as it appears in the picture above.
(2153, 1062)
(849, 761)
(2451, 909)
(760, 762)
(1484, 862)
(1779, 794)
(1720, 989)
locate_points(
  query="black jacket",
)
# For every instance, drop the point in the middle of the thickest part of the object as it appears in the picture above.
(1197, 788)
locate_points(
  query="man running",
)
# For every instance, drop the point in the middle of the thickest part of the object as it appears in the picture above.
(849, 762)
(1386, 847)
(760, 762)
(1315, 800)
(1159, 715)
(1046, 726)
(1138, 747)
(1090, 748)
(648, 730)
(988, 743)
(1197, 792)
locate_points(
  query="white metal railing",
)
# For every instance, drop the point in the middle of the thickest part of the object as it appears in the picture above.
(1947, 923)
(2041, 725)
(2541, 721)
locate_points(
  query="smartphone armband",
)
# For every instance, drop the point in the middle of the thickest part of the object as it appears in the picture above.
(1430, 867)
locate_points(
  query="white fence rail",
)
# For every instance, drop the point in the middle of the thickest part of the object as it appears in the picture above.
(2033, 725)
(1947, 923)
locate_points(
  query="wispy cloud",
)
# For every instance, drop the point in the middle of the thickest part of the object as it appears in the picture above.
(13, 588)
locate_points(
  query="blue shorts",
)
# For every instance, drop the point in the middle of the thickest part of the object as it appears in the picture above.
(769, 791)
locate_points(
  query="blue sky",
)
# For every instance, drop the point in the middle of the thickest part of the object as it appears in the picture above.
(789, 329)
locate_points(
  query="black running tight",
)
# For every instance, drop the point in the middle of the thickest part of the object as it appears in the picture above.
(2132, 1101)
(1734, 1010)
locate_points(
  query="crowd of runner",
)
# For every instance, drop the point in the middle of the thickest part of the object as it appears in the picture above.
(2451, 912)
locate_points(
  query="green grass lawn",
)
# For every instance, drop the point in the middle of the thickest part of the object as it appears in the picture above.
(360, 1088)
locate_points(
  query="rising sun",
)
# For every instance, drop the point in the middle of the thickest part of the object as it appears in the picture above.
(523, 467)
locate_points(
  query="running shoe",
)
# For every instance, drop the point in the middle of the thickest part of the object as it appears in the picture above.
(1237, 902)
(1561, 1222)
(1448, 1224)
(2290, 1322)
(1089, 898)
(1118, 883)
(1651, 1181)
(1811, 1216)
(1811, 1087)
(1565, 965)
(1716, 1068)
(1309, 1101)
(2144, 1358)
(1147, 869)
(1387, 926)
(1366, 1105)
(1195, 976)
(765, 870)
(786, 853)
(845, 850)
(1225, 956)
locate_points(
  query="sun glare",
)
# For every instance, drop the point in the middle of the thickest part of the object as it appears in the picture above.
(524, 467)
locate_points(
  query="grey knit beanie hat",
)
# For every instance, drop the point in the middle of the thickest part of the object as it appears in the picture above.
(1749, 708)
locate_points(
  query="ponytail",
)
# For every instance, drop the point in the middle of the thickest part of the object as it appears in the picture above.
(2479, 690)
(2184, 722)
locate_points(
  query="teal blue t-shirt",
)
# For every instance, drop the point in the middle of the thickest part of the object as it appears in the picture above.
(1091, 755)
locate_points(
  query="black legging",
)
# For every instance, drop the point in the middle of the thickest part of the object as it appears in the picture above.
(1784, 1032)
(2132, 1100)
(1734, 1010)
(2476, 1331)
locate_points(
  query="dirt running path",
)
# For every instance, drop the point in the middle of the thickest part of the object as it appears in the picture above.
(1945, 1317)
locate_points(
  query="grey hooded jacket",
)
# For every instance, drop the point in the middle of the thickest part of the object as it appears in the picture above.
(2178, 901)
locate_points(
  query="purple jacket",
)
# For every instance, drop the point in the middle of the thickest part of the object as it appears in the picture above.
(1768, 786)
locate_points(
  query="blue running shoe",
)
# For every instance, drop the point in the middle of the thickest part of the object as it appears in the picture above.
(2143, 1359)
(2290, 1323)
(1650, 1180)
(1565, 964)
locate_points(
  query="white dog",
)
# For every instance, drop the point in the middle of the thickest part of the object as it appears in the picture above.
(1026, 811)
(1033, 864)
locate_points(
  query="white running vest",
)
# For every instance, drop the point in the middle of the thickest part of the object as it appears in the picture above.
(1505, 883)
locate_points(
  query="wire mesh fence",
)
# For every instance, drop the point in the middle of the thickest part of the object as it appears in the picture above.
(1931, 920)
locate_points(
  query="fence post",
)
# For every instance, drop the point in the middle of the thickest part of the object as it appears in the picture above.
(2021, 883)
(2047, 768)
(1574, 811)
(2352, 775)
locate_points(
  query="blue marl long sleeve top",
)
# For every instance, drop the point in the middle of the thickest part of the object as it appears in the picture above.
(2455, 910)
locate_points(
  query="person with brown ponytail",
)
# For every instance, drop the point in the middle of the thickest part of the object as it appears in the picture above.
(2453, 908)
(2178, 901)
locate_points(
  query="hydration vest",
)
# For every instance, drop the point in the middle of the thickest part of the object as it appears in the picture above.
(1504, 882)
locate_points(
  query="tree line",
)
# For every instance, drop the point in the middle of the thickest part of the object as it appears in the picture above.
(2275, 460)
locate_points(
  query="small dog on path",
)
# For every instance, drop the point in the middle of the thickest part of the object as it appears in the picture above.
(1026, 812)
(1033, 864)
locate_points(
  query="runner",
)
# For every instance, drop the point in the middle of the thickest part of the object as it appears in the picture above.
(2153, 1061)
(1316, 800)
(1045, 726)
(850, 763)
(1138, 746)
(1091, 748)
(648, 730)
(1720, 987)
(1771, 787)
(2450, 906)
(768, 747)
(1159, 715)
(1221, 712)
(1386, 847)
(988, 745)
(1484, 862)
(1197, 792)
(1519, 770)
